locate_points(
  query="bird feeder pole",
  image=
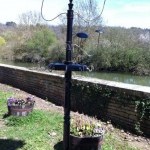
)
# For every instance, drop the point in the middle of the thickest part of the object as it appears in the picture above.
(68, 74)
(68, 67)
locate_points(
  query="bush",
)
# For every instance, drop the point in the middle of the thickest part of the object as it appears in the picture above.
(2, 41)
(120, 49)
(40, 41)
(56, 53)
(36, 45)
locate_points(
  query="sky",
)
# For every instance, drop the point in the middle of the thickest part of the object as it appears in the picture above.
(124, 13)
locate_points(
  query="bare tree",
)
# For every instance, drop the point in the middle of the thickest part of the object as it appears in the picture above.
(87, 14)
(30, 18)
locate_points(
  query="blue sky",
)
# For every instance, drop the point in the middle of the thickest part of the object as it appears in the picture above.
(125, 13)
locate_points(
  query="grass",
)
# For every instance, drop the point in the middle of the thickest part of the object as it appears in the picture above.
(40, 130)
(36, 129)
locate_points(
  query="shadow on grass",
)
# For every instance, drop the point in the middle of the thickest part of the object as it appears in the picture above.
(6, 115)
(58, 146)
(10, 144)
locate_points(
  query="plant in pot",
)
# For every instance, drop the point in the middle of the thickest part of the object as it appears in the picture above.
(20, 106)
(86, 133)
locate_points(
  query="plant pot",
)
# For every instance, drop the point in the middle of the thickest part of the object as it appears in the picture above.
(20, 110)
(85, 143)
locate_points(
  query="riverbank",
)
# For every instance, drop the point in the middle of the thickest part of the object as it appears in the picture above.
(120, 49)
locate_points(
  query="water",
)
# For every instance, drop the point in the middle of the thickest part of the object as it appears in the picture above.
(20, 64)
(119, 77)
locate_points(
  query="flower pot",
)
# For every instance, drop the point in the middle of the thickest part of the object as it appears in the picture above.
(23, 110)
(85, 143)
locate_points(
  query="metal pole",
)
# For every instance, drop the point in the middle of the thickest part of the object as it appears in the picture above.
(98, 39)
(68, 74)
(99, 31)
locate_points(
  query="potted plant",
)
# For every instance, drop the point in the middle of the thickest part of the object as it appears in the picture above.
(86, 133)
(20, 106)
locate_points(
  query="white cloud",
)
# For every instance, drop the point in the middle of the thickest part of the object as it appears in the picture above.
(11, 9)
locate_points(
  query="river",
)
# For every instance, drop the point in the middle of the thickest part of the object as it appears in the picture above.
(119, 77)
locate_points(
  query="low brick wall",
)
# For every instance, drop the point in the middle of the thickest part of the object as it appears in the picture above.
(116, 101)
(44, 85)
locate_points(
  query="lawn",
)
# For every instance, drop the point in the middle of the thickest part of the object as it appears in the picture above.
(40, 130)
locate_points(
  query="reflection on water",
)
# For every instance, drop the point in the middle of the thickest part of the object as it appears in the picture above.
(119, 77)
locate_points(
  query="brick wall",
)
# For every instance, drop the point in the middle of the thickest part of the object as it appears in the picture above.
(110, 100)
(43, 85)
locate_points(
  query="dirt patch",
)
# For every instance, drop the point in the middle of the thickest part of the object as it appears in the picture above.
(139, 142)
(2, 123)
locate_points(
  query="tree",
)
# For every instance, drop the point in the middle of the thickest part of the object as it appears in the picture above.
(11, 24)
(30, 18)
(87, 14)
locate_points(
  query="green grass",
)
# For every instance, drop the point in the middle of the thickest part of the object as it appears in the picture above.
(35, 131)
(3, 106)
(114, 143)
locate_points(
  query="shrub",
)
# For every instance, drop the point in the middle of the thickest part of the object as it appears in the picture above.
(2, 41)
(40, 41)
(36, 45)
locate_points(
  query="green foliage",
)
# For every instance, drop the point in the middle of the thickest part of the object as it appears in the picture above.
(3, 102)
(35, 117)
(40, 41)
(83, 126)
(143, 111)
(2, 41)
(56, 54)
(95, 95)
(120, 49)
(11, 35)
(37, 44)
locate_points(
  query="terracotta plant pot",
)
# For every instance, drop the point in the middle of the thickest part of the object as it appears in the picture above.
(85, 143)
